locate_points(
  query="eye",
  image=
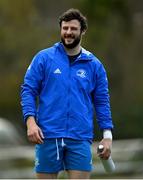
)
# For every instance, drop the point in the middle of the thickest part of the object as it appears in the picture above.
(74, 28)
(65, 28)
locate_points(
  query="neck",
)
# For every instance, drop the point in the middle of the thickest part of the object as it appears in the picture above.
(73, 51)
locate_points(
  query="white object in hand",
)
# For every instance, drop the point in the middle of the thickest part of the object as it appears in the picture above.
(108, 164)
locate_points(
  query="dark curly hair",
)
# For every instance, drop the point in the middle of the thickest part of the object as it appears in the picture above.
(72, 14)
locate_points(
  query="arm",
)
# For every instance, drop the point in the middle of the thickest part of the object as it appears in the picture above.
(102, 100)
(30, 90)
(31, 87)
(102, 109)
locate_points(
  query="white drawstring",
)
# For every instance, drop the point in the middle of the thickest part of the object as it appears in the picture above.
(57, 150)
(63, 144)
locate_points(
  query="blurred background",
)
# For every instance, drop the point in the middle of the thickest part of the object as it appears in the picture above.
(115, 36)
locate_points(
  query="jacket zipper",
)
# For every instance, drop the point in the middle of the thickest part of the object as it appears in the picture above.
(68, 104)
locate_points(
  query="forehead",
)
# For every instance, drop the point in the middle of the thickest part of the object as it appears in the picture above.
(73, 22)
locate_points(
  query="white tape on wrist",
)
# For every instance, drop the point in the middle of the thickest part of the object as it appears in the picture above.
(107, 134)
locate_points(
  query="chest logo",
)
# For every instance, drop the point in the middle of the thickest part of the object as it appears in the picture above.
(81, 73)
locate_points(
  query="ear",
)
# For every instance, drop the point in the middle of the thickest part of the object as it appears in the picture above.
(83, 32)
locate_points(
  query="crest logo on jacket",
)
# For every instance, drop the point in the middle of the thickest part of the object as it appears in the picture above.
(81, 73)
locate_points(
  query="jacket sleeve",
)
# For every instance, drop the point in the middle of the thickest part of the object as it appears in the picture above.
(101, 100)
(30, 89)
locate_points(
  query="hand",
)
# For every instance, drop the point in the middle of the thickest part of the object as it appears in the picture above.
(34, 133)
(107, 143)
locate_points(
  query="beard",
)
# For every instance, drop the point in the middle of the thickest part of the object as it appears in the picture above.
(72, 45)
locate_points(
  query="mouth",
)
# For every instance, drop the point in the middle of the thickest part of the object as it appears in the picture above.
(69, 37)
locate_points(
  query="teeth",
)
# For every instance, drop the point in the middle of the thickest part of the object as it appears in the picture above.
(68, 37)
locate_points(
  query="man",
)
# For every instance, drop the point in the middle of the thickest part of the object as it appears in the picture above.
(66, 79)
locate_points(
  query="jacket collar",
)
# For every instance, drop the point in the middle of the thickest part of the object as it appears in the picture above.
(85, 55)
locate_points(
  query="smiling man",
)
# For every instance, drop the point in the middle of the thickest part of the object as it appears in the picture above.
(67, 79)
(71, 33)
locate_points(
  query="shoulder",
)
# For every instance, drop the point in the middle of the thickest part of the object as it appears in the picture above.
(92, 57)
(45, 54)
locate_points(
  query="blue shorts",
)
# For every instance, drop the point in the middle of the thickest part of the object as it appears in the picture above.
(59, 154)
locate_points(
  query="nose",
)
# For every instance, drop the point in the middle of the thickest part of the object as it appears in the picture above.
(68, 31)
